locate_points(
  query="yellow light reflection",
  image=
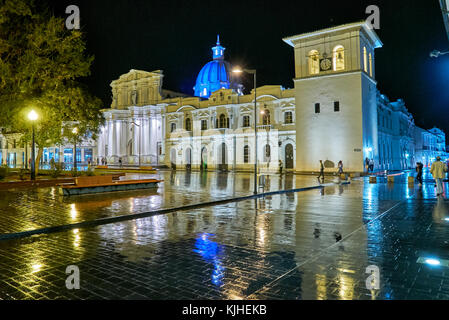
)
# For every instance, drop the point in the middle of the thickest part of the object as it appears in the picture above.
(321, 289)
(346, 287)
(73, 211)
(77, 239)
(36, 267)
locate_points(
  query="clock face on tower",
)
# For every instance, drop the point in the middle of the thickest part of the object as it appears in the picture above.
(325, 64)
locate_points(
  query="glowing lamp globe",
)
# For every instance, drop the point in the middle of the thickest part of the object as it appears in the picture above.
(32, 115)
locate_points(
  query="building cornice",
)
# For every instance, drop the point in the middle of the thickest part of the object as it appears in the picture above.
(377, 43)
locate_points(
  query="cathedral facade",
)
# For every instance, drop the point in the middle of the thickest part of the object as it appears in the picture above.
(334, 113)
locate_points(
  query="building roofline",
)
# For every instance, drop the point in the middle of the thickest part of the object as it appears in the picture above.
(363, 25)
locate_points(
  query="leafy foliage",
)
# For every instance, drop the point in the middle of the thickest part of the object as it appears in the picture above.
(40, 62)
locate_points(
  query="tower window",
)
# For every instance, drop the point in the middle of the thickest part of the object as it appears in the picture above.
(339, 58)
(365, 60)
(172, 127)
(317, 108)
(370, 65)
(337, 106)
(314, 62)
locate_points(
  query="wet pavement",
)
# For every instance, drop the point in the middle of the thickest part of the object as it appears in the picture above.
(308, 245)
(30, 209)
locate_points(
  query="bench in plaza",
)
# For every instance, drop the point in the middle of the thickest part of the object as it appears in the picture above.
(101, 184)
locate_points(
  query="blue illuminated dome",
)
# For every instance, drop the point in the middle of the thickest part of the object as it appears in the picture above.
(215, 75)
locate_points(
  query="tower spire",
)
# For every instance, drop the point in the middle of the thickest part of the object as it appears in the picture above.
(218, 50)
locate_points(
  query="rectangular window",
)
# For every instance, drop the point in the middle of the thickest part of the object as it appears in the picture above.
(246, 154)
(317, 108)
(203, 124)
(246, 123)
(288, 118)
(337, 106)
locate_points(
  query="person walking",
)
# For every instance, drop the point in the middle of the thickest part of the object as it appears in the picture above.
(367, 164)
(340, 167)
(437, 170)
(321, 171)
(419, 169)
(371, 165)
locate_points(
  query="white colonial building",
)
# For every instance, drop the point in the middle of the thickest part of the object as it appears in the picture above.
(335, 112)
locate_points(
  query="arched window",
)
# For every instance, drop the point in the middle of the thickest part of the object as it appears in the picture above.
(223, 121)
(246, 154)
(246, 122)
(267, 153)
(188, 124)
(370, 65)
(204, 92)
(314, 62)
(172, 127)
(339, 58)
(266, 117)
(365, 60)
(288, 117)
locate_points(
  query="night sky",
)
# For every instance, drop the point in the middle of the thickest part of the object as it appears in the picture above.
(177, 36)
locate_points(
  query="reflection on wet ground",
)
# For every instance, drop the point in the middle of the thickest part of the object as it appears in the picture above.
(310, 245)
(23, 210)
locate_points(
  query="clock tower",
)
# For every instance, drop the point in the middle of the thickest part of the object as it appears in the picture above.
(335, 92)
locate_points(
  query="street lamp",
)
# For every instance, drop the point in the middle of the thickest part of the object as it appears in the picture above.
(32, 116)
(75, 132)
(253, 72)
(140, 139)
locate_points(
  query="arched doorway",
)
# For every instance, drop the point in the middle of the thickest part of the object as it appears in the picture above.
(188, 159)
(289, 156)
(204, 158)
(173, 158)
(222, 157)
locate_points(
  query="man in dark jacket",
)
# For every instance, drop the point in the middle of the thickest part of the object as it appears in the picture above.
(321, 171)
(419, 168)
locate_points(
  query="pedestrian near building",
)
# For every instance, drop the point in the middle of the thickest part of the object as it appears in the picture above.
(371, 165)
(340, 167)
(120, 162)
(419, 170)
(367, 165)
(321, 171)
(438, 170)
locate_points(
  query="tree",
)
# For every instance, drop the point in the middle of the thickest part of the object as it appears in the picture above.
(40, 63)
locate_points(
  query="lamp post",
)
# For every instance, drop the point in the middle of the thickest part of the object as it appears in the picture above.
(33, 117)
(140, 139)
(75, 132)
(253, 72)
